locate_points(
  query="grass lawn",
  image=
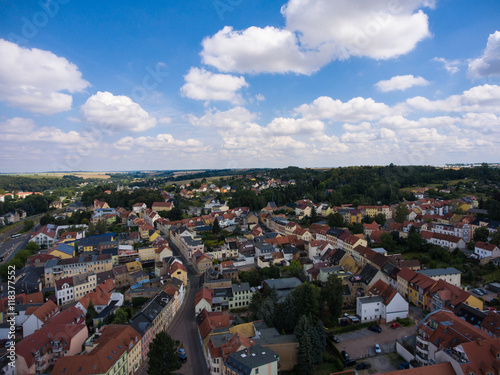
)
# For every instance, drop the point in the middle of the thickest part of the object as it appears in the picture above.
(325, 368)
(491, 277)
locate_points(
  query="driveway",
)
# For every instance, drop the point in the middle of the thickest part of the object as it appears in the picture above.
(360, 344)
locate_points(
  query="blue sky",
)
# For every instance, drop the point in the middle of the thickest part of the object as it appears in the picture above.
(237, 83)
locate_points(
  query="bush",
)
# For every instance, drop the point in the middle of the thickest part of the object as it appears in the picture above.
(352, 327)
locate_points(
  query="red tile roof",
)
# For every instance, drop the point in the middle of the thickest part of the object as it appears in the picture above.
(46, 311)
(205, 294)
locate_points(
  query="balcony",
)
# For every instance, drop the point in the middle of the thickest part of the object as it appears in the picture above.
(424, 349)
(422, 339)
(421, 358)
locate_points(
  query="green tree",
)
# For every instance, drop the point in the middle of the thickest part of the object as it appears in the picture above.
(335, 220)
(121, 317)
(314, 216)
(318, 341)
(415, 241)
(307, 300)
(332, 294)
(305, 353)
(101, 226)
(216, 227)
(481, 234)
(401, 213)
(495, 239)
(28, 225)
(388, 242)
(91, 314)
(162, 358)
(45, 219)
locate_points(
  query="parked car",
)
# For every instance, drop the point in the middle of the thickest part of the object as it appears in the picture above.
(375, 328)
(363, 366)
(344, 355)
(394, 325)
(182, 358)
(377, 349)
(404, 365)
(335, 339)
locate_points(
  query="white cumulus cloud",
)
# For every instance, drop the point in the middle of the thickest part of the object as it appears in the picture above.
(36, 80)
(401, 83)
(118, 112)
(204, 85)
(489, 63)
(320, 31)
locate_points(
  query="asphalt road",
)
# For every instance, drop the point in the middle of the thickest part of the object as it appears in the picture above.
(184, 329)
(9, 248)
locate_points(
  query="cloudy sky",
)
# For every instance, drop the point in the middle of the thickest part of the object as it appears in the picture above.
(130, 85)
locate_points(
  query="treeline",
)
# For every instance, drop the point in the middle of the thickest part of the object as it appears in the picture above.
(32, 204)
(357, 185)
(121, 198)
(40, 184)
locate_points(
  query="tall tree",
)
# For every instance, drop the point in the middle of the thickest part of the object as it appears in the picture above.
(481, 234)
(305, 353)
(162, 357)
(335, 220)
(91, 314)
(307, 299)
(388, 242)
(401, 213)
(216, 227)
(332, 294)
(318, 341)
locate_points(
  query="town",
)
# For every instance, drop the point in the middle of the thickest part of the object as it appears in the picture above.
(296, 287)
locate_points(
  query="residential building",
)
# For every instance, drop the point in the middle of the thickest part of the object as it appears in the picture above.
(252, 360)
(242, 296)
(486, 250)
(448, 274)
(44, 237)
(440, 331)
(36, 352)
(38, 316)
(393, 306)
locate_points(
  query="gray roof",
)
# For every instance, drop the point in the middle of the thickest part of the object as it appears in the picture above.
(371, 299)
(245, 360)
(243, 287)
(286, 283)
(440, 271)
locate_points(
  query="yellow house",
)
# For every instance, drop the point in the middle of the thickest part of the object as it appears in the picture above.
(474, 302)
(418, 290)
(154, 236)
(178, 271)
(133, 266)
(355, 217)
(63, 251)
(146, 254)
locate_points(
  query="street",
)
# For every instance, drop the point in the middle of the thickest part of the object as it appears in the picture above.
(184, 329)
(9, 248)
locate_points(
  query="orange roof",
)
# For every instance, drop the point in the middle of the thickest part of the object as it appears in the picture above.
(46, 311)
(205, 294)
(97, 297)
(383, 290)
(175, 267)
(407, 274)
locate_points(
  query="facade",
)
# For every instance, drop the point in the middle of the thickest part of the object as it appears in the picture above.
(254, 360)
(486, 250)
(39, 316)
(242, 295)
(449, 274)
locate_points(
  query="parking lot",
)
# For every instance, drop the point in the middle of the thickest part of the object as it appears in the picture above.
(380, 364)
(484, 293)
(360, 344)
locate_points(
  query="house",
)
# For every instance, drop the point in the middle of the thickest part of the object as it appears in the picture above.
(283, 286)
(99, 205)
(448, 274)
(202, 262)
(44, 237)
(38, 316)
(38, 351)
(203, 300)
(393, 306)
(115, 349)
(178, 270)
(139, 207)
(242, 296)
(63, 251)
(486, 250)
(162, 206)
(440, 331)
(255, 360)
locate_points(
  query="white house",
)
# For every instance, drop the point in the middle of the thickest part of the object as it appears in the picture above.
(384, 303)
(203, 300)
(65, 291)
(44, 237)
(38, 316)
(485, 250)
